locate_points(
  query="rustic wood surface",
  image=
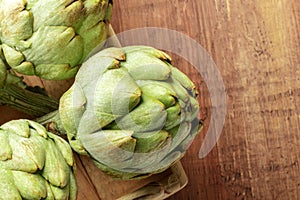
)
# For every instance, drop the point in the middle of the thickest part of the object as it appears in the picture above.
(255, 45)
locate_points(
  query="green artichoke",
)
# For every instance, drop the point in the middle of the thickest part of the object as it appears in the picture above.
(51, 38)
(34, 163)
(130, 110)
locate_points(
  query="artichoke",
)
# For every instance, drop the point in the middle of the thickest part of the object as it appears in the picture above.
(51, 38)
(34, 163)
(130, 110)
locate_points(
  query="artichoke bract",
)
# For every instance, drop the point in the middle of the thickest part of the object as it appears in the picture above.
(130, 110)
(51, 38)
(34, 163)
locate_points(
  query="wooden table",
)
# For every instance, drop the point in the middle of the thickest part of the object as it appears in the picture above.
(256, 46)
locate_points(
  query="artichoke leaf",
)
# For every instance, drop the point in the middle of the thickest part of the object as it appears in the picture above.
(28, 153)
(73, 187)
(93, 14)
(64, 148)
(183, 80)
(55, 170)
(94, 25)
(178, 133)
(151, 70)
(149, 141)
(140, 162)
(54, 45)
(99, 53)
(16, 24)
(149, 115)
(76, 144)
(18, 127)
(93, 35)
(25, 68)
(8, 189)
(181, 92)
(137, 164)
(50, 195)
(196, 128)
(60, 193)
(174, 116)
(13, 57)
(115, 99)
(59, 13)
(34, 183)
(91, 70)
(193, 109)
(164, 160)
(154, 69)
(121, 174)
(111, 147)
(167, 161)
(159, 90)
(143, 67)
(113, 52)
(89, 122)
(34, 148)
(71, 108)
(189, 109)
(5, 150)
(40, 129)
(148, 50)
(54, 71)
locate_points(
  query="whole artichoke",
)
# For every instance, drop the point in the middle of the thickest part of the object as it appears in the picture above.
(51, 38)
(34, 163)
(129, 109)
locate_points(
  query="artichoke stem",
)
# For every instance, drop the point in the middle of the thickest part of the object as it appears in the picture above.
(34, 104)
(52, 123)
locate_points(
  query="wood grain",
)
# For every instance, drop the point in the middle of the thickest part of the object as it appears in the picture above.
(255, 45)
